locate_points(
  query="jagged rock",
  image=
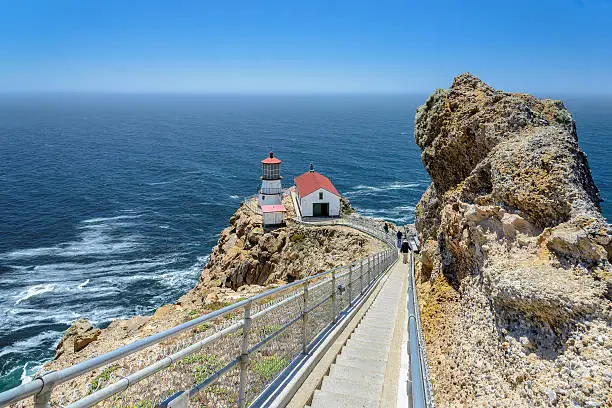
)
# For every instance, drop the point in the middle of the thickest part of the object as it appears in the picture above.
(512, 224)
(77, 337)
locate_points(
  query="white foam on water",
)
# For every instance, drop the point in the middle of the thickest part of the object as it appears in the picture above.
(82, 285)
(34, 291)
(399, 215)
(104, 219)
(31, 343)
(364, 190)
(97, 236)
(235, 197)
(27, 374)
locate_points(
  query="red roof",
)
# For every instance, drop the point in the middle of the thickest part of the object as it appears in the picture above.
(312, 181)
(271, 159)
(273, 208)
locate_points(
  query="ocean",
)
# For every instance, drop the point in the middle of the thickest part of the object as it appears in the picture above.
(110, 204)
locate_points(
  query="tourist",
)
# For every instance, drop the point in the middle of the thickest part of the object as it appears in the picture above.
(399, 238)
(405, 249)
(386, 228)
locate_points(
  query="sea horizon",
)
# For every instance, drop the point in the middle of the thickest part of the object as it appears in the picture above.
(108, 199)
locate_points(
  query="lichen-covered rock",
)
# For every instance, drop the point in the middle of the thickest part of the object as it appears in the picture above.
(512, 225)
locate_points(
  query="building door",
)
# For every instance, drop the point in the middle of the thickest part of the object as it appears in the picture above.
(320, 210)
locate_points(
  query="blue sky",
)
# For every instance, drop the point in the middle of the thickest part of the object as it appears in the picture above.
(538, 46)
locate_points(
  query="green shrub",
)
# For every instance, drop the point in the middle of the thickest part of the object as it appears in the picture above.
(297, 237)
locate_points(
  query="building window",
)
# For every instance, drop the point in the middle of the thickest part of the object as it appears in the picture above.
(320, 196)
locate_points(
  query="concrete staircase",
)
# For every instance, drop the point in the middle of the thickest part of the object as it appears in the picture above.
(357, 377)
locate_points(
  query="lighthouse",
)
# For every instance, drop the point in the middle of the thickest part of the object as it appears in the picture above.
(271, 189)
(271, 193)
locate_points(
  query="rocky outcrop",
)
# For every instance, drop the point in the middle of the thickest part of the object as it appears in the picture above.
(77, 337)
(515, 266)
(247, 255)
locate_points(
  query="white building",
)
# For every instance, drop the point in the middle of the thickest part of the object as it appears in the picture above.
(271, 192)
(317, 196)
(272, 214)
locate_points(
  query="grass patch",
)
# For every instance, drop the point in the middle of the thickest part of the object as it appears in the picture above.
(268, 367)
(202, 366)
(103, 377)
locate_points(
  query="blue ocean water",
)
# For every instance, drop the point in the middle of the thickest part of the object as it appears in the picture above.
(109, 204)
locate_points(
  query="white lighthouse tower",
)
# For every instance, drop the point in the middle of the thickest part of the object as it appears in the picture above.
(271, 189)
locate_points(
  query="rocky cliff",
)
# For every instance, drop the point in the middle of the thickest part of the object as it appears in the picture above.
(515, 276)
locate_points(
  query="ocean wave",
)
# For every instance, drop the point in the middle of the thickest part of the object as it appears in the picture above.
(82, 285)
(27, 373)
(97, 236)
(402, 214)
(34, 291)
(106, 219)
(365, 190)
(235, 197)
(31, 343)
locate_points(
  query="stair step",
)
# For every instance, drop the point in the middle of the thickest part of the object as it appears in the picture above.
(368, 352)
(356, 386)
(360, 342)
(326, 399)
(344, 371)
(361, 362)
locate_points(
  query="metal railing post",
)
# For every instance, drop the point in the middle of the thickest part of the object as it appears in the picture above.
(333, 296)
(43, 398)
(361, 276)
(350, 285)
(305, 320)
(369, 270)
(244, 356)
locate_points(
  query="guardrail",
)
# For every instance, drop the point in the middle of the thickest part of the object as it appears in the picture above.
(271, 191)
(224, 358)
(421, 393)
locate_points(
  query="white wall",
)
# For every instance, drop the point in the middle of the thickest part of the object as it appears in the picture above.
(312, 198)
(272, 218)
(270, 199)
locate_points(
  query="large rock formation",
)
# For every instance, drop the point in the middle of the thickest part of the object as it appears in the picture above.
(515, 269)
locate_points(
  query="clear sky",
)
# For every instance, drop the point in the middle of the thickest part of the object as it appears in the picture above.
(538, 46)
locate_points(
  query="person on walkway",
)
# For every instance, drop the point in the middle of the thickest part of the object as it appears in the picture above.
(399, 238)
(386, 228)
(405, 249)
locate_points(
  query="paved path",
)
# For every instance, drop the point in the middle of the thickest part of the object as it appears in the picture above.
(366, 373)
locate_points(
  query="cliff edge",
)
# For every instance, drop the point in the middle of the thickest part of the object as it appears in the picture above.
(247, 260)
(515, 277)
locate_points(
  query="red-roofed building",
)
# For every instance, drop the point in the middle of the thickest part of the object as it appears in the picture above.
(317, 196)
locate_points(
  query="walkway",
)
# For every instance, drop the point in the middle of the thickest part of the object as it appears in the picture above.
(366, 373)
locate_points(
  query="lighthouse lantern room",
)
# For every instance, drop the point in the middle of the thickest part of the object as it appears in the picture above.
(271, 189)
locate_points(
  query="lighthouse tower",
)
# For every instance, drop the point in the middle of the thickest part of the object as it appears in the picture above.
(271, 189)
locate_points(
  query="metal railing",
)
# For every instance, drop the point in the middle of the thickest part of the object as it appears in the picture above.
(271, 190)
(421, 393)
(224, 358)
